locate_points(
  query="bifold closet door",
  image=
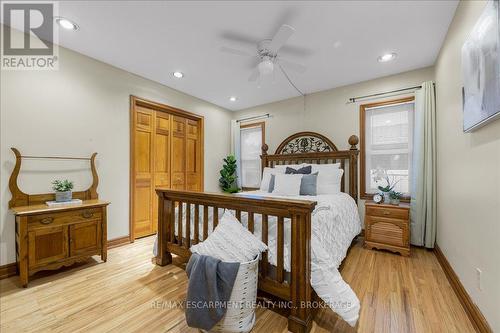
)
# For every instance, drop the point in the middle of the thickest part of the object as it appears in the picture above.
(167, 152)
(143, 172)
(178, 153)
(193, 155)
(162, 142)
(152, 167)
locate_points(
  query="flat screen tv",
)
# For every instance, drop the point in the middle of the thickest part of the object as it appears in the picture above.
(481, 69)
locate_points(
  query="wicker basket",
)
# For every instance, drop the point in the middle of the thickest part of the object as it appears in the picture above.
(241, 318)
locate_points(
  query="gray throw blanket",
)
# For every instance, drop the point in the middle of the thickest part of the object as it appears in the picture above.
(210, 285)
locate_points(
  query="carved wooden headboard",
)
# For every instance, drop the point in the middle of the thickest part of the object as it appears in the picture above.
(314, 148)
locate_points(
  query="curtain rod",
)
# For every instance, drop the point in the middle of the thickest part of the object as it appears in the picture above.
(353, 99)
(267, 115)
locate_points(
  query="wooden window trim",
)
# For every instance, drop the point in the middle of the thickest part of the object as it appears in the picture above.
(362, 158)
(262, 125)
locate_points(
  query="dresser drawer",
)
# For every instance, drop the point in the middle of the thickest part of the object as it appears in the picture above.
(55, 219)
(388, 212)
(386, 231)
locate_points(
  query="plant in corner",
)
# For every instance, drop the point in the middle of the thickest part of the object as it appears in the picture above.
(228, 177)
(63, 189)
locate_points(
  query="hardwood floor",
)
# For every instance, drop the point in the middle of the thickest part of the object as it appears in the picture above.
(130, 294)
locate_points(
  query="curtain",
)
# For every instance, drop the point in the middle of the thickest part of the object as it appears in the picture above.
(236, 148)
(423, 209)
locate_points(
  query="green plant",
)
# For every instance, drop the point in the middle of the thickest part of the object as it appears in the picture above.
(62, 185)
(395, 195)
(228, 177)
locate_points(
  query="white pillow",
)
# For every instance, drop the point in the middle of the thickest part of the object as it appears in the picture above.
(230, 242)
(324, 167)
(329, 181)
(288, 185)
(266, 177)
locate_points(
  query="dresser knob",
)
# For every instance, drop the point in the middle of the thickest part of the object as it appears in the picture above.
(87, 214)
(47, 220)
(386, 212)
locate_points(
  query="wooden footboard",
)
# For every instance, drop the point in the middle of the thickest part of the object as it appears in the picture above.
(197, 206)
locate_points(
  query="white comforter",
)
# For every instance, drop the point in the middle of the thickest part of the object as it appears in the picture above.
(335, 223)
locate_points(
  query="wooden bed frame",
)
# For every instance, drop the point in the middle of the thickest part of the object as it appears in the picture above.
(303, 147)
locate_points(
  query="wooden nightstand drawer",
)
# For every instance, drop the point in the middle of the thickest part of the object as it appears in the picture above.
(390, 212)
(385, 231)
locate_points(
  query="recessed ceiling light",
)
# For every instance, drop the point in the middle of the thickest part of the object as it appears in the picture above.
(387, 57)
(178, 75)
(232, 99)
(67, 24)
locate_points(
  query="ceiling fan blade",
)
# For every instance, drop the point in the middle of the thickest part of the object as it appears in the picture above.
(255, 75)
(236, 52)
(292, 65)
(283, 34)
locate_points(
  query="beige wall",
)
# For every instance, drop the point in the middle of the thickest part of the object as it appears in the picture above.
(327, 112)
(468, 178)
(81, 108)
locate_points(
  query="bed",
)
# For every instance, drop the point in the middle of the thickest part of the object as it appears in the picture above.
(308, 237)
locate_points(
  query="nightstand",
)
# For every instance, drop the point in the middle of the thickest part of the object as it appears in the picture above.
(387, 227)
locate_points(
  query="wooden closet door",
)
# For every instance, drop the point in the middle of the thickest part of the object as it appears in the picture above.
(178, 153)
(161, 158)
(143, 169)
(193, 156)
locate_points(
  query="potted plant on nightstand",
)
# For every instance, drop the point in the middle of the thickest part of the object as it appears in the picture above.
(387, 189)
(62, 188)
(395, 197)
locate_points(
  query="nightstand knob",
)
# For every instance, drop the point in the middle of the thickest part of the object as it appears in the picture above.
(386, 212)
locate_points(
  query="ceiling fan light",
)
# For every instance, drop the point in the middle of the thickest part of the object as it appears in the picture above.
(266, 67)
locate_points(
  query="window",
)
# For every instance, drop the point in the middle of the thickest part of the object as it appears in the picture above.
(386, 145)
(251, 140)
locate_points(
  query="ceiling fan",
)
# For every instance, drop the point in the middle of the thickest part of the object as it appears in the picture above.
(267, 53)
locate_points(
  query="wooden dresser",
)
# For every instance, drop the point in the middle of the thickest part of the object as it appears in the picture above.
(387, 227)
(56, 236)
(52, 237)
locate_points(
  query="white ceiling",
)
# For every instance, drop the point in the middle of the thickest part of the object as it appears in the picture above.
(338, 41)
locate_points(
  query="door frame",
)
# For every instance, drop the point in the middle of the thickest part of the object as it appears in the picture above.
(138, 101)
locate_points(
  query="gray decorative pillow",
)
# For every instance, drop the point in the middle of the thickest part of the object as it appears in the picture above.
(309, 184)
(271, 184)
(303, 171)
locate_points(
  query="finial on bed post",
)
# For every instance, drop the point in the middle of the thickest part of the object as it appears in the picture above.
(263, 157)
(264, 149)
(353, 141)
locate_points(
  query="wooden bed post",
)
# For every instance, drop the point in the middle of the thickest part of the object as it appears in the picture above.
(353, 167)
(164, 213)
(263, 157)
(300, 319)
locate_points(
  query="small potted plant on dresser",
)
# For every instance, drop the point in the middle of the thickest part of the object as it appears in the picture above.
(62, 188)
(395, 197)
